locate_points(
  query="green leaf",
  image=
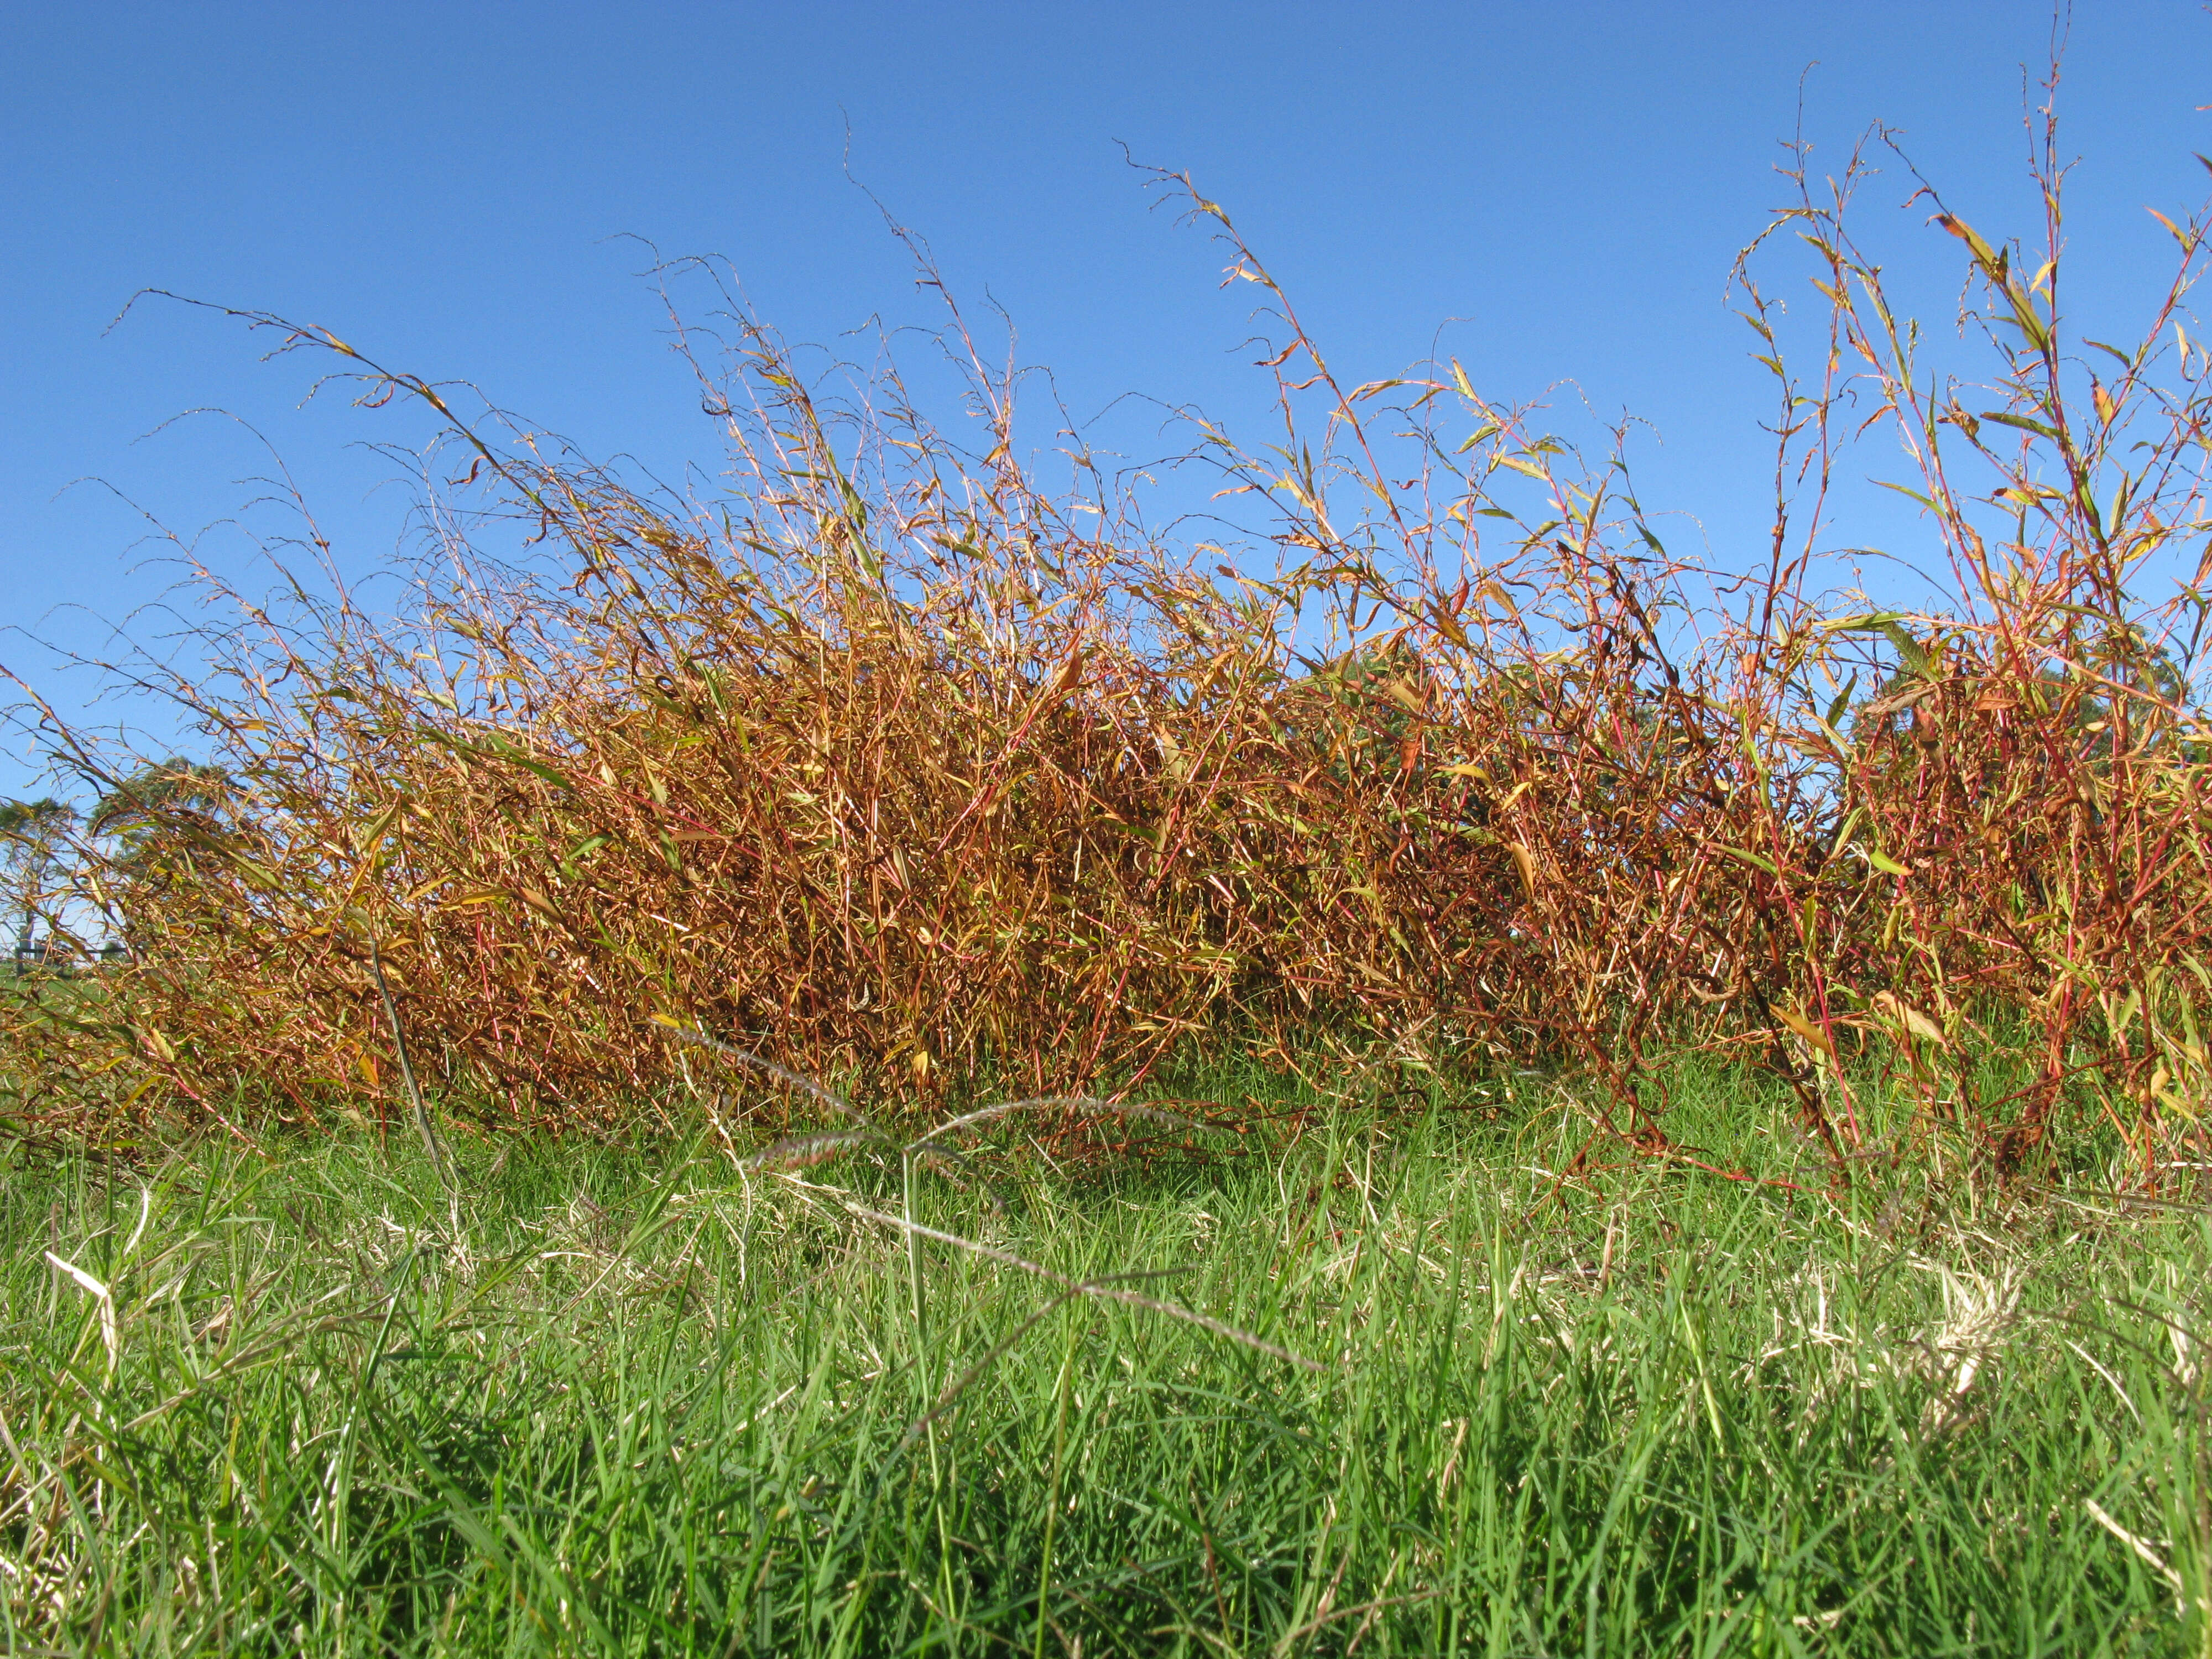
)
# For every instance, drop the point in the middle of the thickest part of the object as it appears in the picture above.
(1909, 650)
(2021, 423)
(582, 849)
(2031, 325)
(1749, 858)
(1872, 623)
(1984, 253)
(543, 770)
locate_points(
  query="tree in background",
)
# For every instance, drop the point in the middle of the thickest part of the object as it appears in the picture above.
(158, 802)
(160, 819)
(31, 836)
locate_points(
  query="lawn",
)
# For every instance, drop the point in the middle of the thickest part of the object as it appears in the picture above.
(268, 1400)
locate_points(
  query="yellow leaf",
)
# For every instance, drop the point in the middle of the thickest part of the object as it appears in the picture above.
(1806, 1029)
(382, 822)
(1070, 671)
(1399, 692)
(1524, 860)
(1909, 1016)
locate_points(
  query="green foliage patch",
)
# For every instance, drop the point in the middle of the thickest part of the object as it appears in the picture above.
(271, 1401)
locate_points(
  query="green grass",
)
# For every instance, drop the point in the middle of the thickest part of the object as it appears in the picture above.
(646, 1404)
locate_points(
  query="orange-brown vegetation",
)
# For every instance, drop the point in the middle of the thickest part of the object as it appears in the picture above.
(891, 763)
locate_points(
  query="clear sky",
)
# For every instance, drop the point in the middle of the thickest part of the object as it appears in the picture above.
(450, 187)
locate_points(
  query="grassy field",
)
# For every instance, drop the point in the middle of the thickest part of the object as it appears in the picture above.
(270, 1401)
(886, 747)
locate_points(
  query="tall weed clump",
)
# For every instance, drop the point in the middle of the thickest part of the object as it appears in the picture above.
(887, 760)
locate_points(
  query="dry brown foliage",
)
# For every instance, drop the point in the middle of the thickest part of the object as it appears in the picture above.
(890, 762)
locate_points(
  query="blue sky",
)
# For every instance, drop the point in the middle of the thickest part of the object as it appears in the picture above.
(451, 187)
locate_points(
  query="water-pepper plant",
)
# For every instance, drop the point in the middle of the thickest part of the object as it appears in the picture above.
(886, 760)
